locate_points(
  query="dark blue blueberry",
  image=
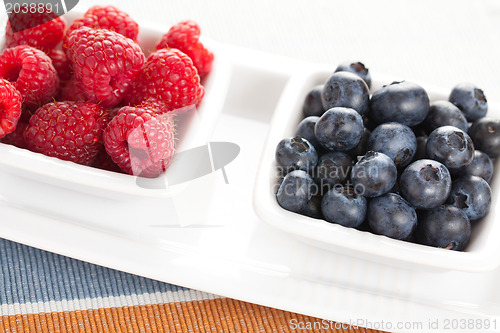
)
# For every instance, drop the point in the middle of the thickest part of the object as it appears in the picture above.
(402, 102)
(446, 227)
(419, 130)
(396, 141)
(339, 129)
(305, 130)
(313, 106)
(357, 68)
(444, 113)
(295, 191)
(344, 89)
(472, 194)
(369, 123)
(333, 169)
(425, 184)
(313, 207)
(343, 206)
(450, 146)
(296, 154)
(421, 144)
(481, 166)
(470, 100)
(390, 215)
(374, 174)
(485, 134)
(361, 147)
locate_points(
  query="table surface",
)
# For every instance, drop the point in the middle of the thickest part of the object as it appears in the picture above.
(441, 43)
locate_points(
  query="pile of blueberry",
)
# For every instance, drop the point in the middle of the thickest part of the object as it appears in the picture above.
(392, 162)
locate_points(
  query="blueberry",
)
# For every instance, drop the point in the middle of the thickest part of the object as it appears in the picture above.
(296, 154)
(443, 113)
(481, 166)
(339, 129)
(450, 146)
(390, 215)
(396, 141)
(344, 89)
(446, 227)
(313, 207)
(295, 191)
(313, 106)
(333, 169)
(343, 206)
(425, 184)
(472, 194)
(369, 123)
(470, 100)
(305, 130)
(485, 134)
(361, 147)
(420, 152)
(374, 174)
(403, 102)
(357, 68)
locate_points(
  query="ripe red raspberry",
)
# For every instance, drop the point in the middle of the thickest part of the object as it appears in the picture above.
(10, 107)
(168, 77)
(31, 72)
(72, 90)
(104, 62)
(185, 37)
(16, 138)
(107, 17)
(70, 131)
(61, 64)
(41, 30)
(140, 141)
(104, 162)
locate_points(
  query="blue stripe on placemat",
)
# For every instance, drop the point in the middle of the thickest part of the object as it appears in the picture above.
(32, 275)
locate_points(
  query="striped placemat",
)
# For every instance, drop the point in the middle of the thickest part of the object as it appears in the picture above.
(45, 292)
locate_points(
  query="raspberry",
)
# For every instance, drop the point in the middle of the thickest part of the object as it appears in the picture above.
(72, 91)
(41, 30)
(185, 37)
(168, 77)
(107, 17)
(70, 131)
(16, 138)
(31, 72)
(104, 62)
(140, 141)
(10, 107)
(104, 162)
(61, 64)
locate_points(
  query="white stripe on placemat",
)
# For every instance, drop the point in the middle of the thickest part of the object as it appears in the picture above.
(105, 302)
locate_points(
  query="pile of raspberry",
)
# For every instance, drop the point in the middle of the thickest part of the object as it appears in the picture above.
(88, 94)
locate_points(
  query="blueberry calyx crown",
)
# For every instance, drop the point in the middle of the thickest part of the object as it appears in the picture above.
(359, 67)
(461, 201)
(479, 95)
(300, 145)
(457, 140)
(429, 173)
(393, 83)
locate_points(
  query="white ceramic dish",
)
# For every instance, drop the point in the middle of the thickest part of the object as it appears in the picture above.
(208, 236)
(482, 253)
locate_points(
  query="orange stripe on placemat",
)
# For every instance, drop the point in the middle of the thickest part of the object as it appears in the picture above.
(218, 315)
